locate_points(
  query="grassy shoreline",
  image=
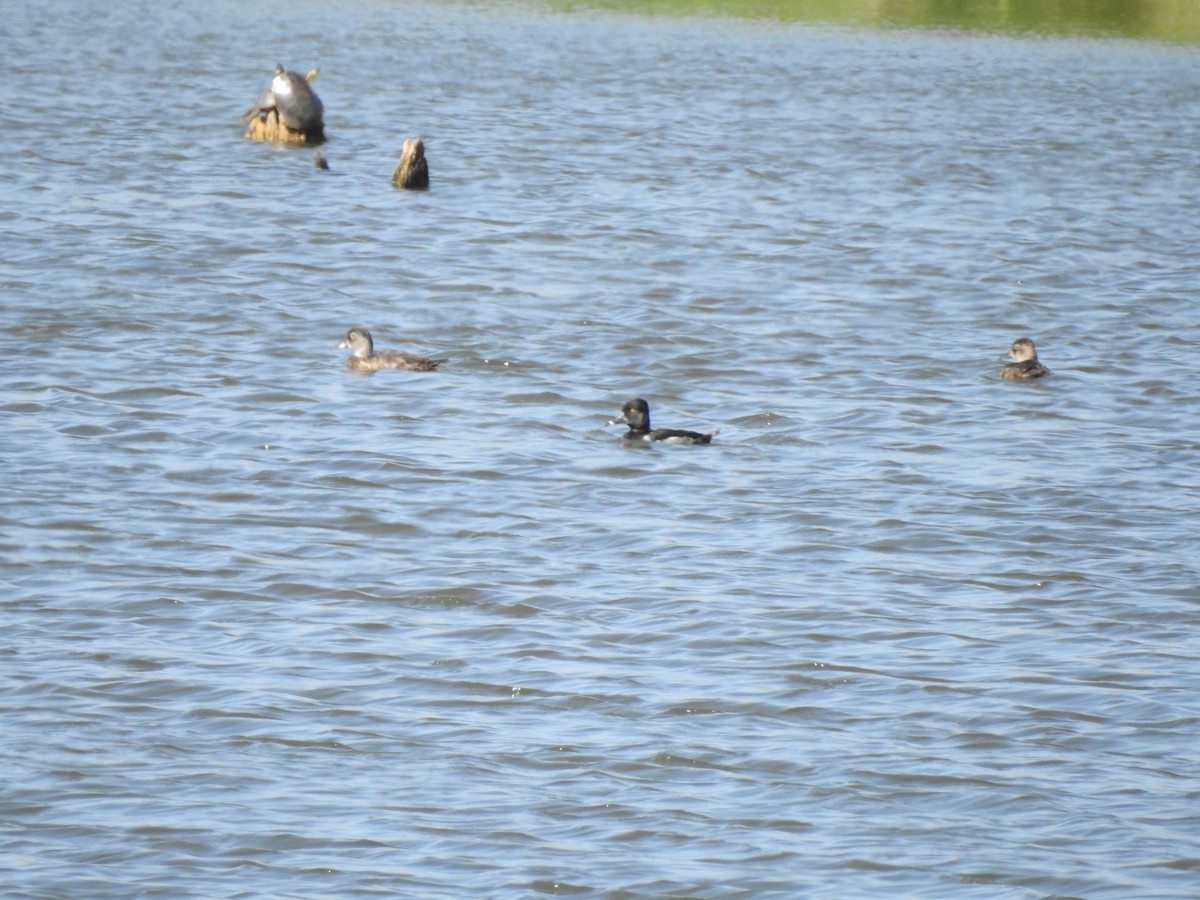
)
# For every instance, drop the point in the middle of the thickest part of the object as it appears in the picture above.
(1173, 21)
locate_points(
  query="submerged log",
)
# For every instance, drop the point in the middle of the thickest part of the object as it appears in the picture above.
(413, 172)
(267, 126)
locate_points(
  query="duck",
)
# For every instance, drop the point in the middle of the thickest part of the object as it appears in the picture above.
(1026, 363)
(364, 357)
(636, 414)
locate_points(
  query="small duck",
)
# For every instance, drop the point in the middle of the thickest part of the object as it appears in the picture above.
(636, 414)
(1026, 365)
(365, 359)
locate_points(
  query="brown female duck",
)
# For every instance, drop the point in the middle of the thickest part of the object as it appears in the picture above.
(365, 358)
(1026, 363)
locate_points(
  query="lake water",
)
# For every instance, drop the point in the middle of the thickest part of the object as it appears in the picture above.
(272, 629)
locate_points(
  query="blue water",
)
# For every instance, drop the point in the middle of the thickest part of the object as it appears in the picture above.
(274, 629)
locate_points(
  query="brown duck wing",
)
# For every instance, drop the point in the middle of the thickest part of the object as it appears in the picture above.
(399, 359)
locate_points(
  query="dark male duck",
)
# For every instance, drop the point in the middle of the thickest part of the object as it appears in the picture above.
(636, 414)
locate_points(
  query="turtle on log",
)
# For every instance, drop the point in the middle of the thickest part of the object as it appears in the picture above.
(288, 110)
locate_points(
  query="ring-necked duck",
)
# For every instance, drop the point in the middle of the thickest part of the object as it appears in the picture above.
(366, 359)
(636, 414)
(1026, 365)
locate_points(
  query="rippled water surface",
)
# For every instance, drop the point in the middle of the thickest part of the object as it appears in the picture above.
(904, 629)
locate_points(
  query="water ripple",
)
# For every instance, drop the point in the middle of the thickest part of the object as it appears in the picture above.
(902, 629)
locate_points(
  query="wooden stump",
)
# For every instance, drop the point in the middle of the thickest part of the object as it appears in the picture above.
(266, 126)
(413, 172)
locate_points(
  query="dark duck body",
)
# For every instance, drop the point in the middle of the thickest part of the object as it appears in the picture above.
(636, 414)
